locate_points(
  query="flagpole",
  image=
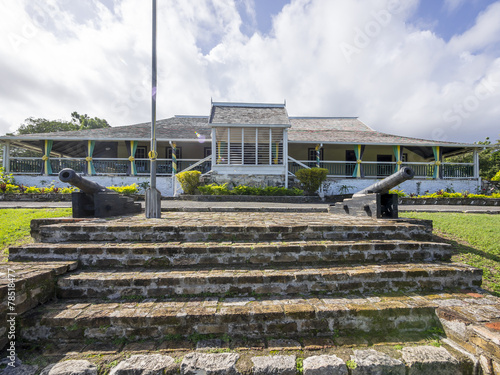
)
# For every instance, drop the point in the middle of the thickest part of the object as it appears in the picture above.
(153, 196)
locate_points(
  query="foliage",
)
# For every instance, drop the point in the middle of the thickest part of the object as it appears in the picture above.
(15, 224)
(496, 177)
(8, 188)
(33, 190)
(189, 180)
(400, 193)
(78, 122)
(475, 237)
(214, 189)
(351, 364)
(311, 178)
(127, 189)
(6, 178)
(85, 122)
(489, 159)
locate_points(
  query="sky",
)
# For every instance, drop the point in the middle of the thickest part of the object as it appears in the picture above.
(419, 68)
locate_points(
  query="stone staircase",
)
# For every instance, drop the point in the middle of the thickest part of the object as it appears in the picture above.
(245, 275)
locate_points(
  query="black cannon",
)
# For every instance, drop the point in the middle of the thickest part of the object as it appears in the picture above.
(94, 200)
(375, 200)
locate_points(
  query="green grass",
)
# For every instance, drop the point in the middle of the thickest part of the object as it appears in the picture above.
(475, 238)
(15, 224)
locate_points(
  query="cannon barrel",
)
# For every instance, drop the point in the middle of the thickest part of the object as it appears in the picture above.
(383, 187)
(69, 176)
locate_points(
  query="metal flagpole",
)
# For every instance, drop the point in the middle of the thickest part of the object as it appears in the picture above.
(153, 196)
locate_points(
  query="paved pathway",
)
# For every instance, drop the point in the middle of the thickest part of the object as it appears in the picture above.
(179, 205)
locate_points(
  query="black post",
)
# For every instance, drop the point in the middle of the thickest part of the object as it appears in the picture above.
(153, 196)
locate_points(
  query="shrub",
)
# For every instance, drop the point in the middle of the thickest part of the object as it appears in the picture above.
(400, 193)
(32, 190)
(496, 177)
(8, 188)
(312, 178)
(189, 180)
(214, 189)
(129, 189)
(6, 178)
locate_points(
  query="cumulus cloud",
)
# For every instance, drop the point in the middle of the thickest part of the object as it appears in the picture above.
(326, 58)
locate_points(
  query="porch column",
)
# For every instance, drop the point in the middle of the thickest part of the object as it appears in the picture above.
(131, 148)
(6, 156)
(438, 158)
(358, 170)
(214, 149)
(476, 163)
(285, 155)
(398, 153)
(318, 154)
(47, 148)
(88, 159)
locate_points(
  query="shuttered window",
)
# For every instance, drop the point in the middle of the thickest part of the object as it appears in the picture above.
(249, 146)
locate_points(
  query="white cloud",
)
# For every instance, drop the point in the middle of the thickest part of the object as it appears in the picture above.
(398, 77)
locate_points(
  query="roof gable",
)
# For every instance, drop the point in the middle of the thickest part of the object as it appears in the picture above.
(248, 114)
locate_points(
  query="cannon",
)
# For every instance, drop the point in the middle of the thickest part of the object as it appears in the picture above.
(375, 200)
(94, 200)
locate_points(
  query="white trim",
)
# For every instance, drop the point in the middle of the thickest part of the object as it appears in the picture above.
(225, 125)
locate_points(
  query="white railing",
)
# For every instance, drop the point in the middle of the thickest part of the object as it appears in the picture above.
(373, 169)
(106, 166)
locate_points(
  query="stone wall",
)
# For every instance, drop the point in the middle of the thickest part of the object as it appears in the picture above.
(24, 286)
(417, 186)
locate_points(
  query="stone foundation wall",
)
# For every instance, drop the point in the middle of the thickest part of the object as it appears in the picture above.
(25, 285)
(253, 180)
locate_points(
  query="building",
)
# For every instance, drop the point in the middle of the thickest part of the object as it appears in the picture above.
(245, 143)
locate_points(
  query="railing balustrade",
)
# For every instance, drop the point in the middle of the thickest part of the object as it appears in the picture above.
(373, 169)
(342, 169)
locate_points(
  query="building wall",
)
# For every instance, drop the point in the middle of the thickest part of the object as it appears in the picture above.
(352, 185)
(164, 184)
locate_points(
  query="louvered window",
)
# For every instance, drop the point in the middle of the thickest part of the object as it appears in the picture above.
(249, 146)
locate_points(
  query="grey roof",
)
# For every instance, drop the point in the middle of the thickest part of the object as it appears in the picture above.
(174, 128)
(249, 114)
(349, 130)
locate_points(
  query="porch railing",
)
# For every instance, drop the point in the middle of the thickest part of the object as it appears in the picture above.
(341, 169)
(372, 169)
(108, 166)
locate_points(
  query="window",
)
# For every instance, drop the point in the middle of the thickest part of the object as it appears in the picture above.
(141, 152)
(249, 146)
(178, 152)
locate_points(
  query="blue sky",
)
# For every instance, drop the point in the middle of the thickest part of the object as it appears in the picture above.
(422, 68)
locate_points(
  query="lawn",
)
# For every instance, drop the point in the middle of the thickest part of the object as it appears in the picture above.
(15, 225)
(475, 238)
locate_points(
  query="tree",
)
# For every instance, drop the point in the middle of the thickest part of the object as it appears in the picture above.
(78, 122)
(85, 122)
(489, 159)
(40, 125)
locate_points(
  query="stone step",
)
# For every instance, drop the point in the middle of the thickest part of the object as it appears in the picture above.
(188, 254)
(281, 281)
(418, 359)
(252, 317)
(230, 226)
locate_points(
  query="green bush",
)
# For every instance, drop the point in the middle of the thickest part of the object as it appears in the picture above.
(214, 189)
(312, 178)
(8, 188)
(189, 180)
(129, 189)
(496, 177)
(400, 193)
(6, 178)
